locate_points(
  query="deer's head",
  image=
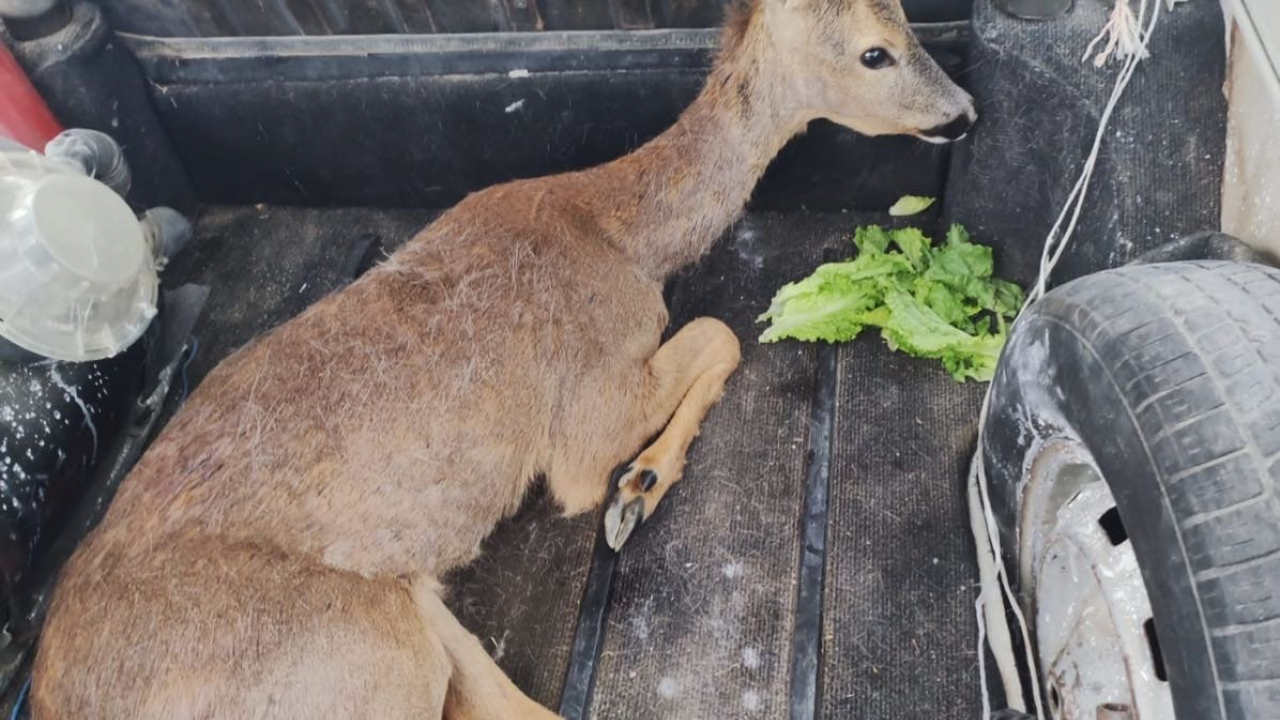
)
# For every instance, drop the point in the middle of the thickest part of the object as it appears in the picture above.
(856, 62)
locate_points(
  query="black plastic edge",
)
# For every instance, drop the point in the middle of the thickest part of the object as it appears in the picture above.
(806, 642)
(1205, 245)
(318, 58)
(588, 637)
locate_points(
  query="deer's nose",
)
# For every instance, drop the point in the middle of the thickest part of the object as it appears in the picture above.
(954, 129)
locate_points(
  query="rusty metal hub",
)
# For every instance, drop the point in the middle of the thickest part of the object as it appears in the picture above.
(1095, 638)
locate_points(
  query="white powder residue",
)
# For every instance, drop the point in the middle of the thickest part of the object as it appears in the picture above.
(75, 397)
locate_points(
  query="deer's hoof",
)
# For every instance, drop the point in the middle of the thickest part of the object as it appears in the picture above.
(621, 519)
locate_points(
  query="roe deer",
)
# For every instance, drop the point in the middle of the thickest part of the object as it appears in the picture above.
(276, 552)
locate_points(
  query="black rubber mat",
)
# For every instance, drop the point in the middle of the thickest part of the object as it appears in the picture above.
(521, 597)
(1159, 174)
(704, 598)
(899, 632)
(857, 467)
(713, 611)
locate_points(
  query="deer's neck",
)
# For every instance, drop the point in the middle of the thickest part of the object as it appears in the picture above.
(669, 201)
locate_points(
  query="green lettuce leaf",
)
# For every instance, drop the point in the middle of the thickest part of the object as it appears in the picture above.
(914, 245)
(910, 205)
(871, 239)
(914, 328)
(937, 302)
(1008, 298)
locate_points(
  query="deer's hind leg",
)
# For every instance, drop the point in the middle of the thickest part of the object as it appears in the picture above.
(478, 689)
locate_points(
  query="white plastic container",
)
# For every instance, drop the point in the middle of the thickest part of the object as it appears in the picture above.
(77, 277)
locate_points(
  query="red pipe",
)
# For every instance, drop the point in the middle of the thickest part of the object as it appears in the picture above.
(23, 115)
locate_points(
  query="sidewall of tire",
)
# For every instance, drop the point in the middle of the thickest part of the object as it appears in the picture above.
(1051, 384)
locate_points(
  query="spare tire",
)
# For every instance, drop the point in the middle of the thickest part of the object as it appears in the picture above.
(1132, 450)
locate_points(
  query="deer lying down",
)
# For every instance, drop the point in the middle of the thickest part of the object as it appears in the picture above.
(276, 553)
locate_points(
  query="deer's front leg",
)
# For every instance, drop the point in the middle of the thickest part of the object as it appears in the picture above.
(688, 372)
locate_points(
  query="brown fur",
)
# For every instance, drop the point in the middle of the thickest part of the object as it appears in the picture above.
(276, 552)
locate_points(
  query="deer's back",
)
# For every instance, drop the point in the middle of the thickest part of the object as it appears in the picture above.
(391, 425)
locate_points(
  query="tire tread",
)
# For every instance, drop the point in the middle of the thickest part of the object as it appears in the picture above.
(1189, 347)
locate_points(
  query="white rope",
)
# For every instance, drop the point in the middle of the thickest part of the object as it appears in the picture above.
(1122, 33)
(995, 589)
(979, 608)
(990, 607)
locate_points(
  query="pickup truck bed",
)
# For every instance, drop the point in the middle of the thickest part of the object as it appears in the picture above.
(816, 560)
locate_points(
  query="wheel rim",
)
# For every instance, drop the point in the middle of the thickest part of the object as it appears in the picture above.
(1096, 644)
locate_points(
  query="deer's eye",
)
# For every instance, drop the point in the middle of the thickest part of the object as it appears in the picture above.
(877, 58)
